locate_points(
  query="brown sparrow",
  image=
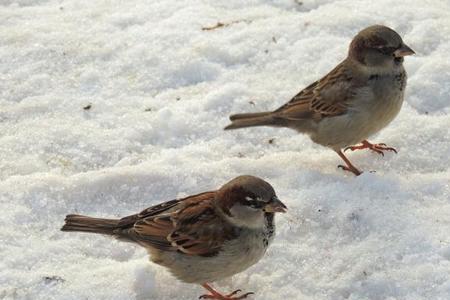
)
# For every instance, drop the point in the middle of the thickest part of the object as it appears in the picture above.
(201, 238)
(355, 100)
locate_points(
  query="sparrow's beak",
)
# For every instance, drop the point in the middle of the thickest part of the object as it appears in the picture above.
(404, 50)
(275, 205)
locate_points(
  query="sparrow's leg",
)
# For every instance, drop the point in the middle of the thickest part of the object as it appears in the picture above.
(349, 166)
(378, 148)
(216, 295)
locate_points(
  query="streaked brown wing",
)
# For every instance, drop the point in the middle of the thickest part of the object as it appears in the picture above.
(148, 212)
(199, 230)
(188, 225)
(328, 96)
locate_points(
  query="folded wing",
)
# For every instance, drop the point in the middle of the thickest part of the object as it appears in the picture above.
(188, 225)
(329, 96)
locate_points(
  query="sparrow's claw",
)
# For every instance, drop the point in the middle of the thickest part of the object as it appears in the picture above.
(349, 167)
(353, 148)
(227, 297)
(378, 148)
(382, 147)
(234, 292)
(353, 170)
(243, 296)
(217, 296)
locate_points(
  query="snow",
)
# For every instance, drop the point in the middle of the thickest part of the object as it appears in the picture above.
(160, 90)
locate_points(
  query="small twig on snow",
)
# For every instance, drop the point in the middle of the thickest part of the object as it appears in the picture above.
(220, 24)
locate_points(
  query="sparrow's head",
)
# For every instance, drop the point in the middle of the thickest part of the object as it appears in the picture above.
(380, 47)
(246, 200)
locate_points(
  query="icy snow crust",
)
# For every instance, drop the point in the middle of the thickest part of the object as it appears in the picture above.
(160, 90)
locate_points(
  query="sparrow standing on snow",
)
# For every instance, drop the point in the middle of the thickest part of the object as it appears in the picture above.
(201, 238)
(355, 100)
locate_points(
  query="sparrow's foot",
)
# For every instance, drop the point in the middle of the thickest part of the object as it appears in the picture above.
(349, 167)
(378, 148)
(353, 170)
(217, 296)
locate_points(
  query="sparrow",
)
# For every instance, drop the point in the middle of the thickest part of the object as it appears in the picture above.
(201, 238)
(357, 99)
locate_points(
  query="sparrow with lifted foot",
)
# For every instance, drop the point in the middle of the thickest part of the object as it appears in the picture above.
(201, 238)
(357, 99)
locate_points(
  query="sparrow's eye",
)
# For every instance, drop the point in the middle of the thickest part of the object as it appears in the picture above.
(385, 49)
(255, 203)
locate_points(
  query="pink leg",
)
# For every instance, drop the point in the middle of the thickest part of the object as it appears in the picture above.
(217, 296)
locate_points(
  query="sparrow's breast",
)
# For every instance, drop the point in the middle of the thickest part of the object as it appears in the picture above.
(388, 95)
(375, 105)
(235, 256)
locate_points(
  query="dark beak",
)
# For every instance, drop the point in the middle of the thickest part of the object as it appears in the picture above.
(404, 50)
(275, 205)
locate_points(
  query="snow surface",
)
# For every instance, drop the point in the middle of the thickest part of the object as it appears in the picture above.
(160, 90)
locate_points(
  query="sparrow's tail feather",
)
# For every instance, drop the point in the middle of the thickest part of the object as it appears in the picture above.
(88, 224)
(250, 120)
(249, 115)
